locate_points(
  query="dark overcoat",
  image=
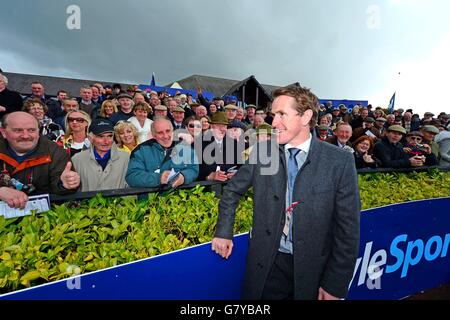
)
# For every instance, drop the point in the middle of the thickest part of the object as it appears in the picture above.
(325, 224)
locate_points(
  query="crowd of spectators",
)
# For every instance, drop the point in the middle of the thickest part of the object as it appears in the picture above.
(118, 138)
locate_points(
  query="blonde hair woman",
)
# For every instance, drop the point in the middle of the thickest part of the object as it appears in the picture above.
(126, 136)
(76, 138)
(107, 109)
(141, 122)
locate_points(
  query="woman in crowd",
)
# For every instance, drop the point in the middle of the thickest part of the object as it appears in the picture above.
(107, 109)
(141, 121)
(76, 137)
(127, 136)
(48, 128)
(205, 123)
(363, 147)
(194, 130)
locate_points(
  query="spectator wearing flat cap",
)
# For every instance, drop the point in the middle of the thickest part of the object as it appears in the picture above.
(220, 153)
(379, 124)
(230, 111)
(178, 118)
(429, 132)
(443, 139)
(236, 130)
(390, 151)
(141, 121)
(125, 108)
(102, 166)
(160, 111)
(415, 147)
(251, 112)
(264, 132)
(367, 129)
(323, 132)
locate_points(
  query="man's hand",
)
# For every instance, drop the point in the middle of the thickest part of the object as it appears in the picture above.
(230, 174)
(222, 247)
(14, 198)
(427, 149)
(368, 158)
(199, 90)
(2, 108)
(416, 161)
(323, 295)
(179, 181)
(164, 177)
(70, 179)
(217, 176)
(407, 150)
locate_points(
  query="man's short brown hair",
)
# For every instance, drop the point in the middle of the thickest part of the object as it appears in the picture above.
(305, 100)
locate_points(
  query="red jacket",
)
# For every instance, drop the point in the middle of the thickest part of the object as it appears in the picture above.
(43, 168)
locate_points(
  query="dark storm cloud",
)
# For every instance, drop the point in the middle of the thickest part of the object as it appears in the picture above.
(326, 45)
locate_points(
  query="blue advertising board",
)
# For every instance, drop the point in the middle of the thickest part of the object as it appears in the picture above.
(348, 103)
(403, 250)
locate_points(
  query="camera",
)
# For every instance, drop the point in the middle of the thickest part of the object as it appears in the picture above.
(419, 148)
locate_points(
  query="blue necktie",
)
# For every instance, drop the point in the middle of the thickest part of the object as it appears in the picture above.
(292, 171)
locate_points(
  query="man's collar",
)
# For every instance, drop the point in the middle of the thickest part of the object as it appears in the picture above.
(304, 146)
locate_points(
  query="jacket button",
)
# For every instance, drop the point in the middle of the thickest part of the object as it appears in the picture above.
(260, 265)
(268, 232)
(276, 197)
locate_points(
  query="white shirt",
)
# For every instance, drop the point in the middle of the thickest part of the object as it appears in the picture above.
(142, 131)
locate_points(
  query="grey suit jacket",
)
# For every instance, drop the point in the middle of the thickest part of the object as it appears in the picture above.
(325, 225)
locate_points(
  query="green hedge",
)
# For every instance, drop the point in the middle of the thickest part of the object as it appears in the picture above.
(81, 237)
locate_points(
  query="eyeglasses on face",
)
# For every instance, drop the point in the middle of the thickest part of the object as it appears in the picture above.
(191, 125)
(76, 120)
(416, 138)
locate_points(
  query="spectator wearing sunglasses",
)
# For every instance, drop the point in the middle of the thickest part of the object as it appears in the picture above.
(76, 137)
(415, 147)
(192, 131)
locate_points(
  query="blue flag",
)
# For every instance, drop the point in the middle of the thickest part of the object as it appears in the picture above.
(153, 80)
(391, 104)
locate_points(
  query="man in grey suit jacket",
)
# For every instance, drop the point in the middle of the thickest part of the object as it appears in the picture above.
(305, 235)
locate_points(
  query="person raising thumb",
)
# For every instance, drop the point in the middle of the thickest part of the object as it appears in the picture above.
(70, 179)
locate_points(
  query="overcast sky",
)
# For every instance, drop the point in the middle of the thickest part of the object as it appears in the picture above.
(342, 49)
